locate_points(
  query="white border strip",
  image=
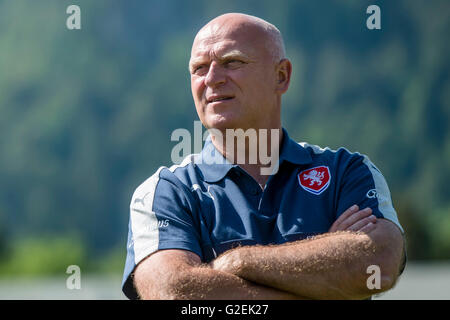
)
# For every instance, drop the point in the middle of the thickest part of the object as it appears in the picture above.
(383, 195)
(144, 224)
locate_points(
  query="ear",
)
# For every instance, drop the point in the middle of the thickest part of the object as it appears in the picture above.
(283, 71)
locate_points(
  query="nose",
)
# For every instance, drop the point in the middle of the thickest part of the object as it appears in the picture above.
(215, 76)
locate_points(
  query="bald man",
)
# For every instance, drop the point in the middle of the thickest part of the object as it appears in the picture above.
(224, 230)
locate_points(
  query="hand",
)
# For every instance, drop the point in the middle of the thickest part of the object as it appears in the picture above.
(354, 219)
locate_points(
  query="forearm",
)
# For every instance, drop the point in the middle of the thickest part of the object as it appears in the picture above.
(185, 277)
(206, 283)
(331, 266)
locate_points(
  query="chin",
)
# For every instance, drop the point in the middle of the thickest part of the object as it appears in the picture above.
(221, 122)
(221, 126)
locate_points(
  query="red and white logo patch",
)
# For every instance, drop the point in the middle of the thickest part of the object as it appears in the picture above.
(315, 180)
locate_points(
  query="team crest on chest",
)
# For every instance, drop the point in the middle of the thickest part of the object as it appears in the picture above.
(315, 180)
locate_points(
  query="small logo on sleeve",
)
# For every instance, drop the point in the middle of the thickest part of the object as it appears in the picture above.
(372, 193)
(163, 223)
(315, 180)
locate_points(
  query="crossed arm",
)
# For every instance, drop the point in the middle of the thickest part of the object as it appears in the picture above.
(329, 266)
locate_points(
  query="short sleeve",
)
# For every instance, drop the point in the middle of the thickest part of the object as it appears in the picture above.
(160, 218)
(364, 185)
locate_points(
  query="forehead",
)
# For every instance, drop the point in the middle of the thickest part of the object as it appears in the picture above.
(210, 42)
(220, 49)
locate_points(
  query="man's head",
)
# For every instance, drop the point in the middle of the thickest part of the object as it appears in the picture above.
(238, 73)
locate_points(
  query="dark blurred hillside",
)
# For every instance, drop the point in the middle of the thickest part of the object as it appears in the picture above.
(86, 115)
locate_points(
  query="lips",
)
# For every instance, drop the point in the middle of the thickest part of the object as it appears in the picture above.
(213, 99)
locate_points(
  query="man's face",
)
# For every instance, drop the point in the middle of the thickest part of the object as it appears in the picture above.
(233, 78)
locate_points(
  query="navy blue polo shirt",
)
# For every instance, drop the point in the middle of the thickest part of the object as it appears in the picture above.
(208, 206)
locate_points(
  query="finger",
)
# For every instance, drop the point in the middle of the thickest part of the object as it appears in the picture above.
(362, 223)
(352, 219)
(355, 218)
(368, 227)
(347, 213)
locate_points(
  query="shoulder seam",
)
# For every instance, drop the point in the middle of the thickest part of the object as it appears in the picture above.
(319, 150)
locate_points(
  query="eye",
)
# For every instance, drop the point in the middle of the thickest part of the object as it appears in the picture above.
(199, 69)
(233, 63)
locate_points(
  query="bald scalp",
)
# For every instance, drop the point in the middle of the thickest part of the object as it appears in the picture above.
(238, 22)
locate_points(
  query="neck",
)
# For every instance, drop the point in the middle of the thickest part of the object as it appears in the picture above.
(255, 151)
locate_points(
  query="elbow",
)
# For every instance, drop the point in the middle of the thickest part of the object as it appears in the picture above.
(386, 247)
(388, 282)
(379, 278)
(390, 268)
(367, 286)
(380, 275)
(389, 278)
(385, 283)
(173, 287)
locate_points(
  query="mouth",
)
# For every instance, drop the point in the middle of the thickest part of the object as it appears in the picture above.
(218, 99)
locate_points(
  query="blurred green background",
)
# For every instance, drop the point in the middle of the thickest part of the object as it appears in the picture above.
(86, 115)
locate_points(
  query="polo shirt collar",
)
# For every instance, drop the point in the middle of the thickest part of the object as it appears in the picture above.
(214, 166)
(293, 152)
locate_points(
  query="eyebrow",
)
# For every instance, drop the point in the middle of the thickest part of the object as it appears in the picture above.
(227, 55)
(234, 54)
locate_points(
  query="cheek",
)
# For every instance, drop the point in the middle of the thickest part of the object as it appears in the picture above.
(196, 84)
(197, 89)
(256, 82)
(263, 86)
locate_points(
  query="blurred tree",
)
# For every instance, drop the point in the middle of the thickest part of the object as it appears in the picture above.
(46, 255)
(86, 115)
